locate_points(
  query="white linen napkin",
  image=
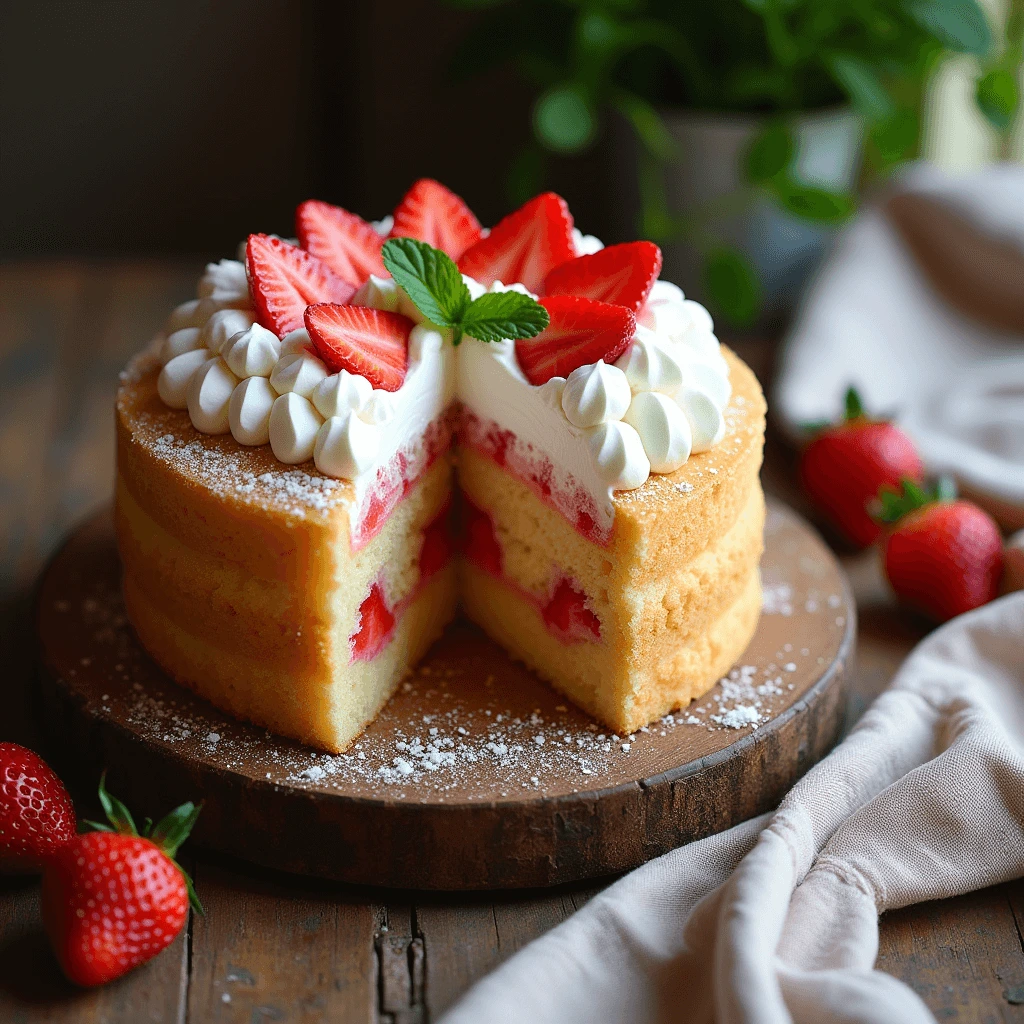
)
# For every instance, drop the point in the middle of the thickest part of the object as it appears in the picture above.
(871, 319)
(776, 920)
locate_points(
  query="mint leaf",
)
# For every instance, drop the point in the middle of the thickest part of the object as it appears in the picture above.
(499, 315)
(429, 277)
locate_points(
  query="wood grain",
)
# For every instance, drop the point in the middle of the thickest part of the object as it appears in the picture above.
(970, 945)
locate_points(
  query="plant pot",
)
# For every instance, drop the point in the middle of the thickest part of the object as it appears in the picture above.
(783, 248)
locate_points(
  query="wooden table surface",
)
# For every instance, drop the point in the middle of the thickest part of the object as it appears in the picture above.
(279, 948)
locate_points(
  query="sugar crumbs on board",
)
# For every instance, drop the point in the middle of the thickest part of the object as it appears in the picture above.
(464, 744)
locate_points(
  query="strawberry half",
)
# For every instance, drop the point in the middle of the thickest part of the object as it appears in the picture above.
(436, 215)
(525, 246)
(368, 342)
(581, 331)
(346, 243)
(285, 279)
(620, 274)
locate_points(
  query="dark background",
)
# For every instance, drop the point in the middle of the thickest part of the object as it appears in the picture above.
(178, 126)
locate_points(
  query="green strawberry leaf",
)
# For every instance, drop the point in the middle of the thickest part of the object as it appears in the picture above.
(193, 898)
(854, 406)
(499, 315)
(429, 277)
(170, 832)
(117, 814)
(892, 505)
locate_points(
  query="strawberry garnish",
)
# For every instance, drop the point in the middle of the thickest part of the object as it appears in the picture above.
(846, 463)
(525, 246)
(112, 899)
(620, 274)
(37, 817)
(346, 243)
(436, 215)
(581, 331)
(942, 556)
(285, 279)
(369, 342)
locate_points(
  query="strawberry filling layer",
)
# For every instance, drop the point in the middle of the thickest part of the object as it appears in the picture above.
(535, 470)
(398, 477)
(564, 611)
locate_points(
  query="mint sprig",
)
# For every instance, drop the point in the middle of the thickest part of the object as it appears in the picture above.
(432, 280)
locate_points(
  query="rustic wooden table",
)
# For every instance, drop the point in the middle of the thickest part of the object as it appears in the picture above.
(279, 948)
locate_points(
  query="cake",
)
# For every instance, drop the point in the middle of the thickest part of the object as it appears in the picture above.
(346, 439)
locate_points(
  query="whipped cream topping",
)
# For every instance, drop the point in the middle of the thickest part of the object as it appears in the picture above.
(605, 428)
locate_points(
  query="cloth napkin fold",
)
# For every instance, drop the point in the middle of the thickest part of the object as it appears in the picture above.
(776, 920)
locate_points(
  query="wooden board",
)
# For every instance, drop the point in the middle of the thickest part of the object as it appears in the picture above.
(476, 774)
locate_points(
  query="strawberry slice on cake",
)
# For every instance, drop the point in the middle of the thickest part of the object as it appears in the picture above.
(345, 242)
(525, 246)
(580, 331)
(620, 274)
(436, 215)
(370, 343)
(285, 279)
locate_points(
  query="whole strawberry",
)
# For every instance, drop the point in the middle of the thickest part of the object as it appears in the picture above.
(942, 555)
(846, 464)
(37, 817)
(113, 899)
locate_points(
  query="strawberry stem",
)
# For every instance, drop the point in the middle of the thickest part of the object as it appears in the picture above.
(854, 406)
(892, 505)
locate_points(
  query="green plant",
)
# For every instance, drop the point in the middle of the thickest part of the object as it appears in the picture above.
(586, 58)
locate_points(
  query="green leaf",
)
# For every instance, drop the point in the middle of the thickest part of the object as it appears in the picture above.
(430, 278)
(117, 814)
(170, 832)
(811, 203)
(564, 119)
(98, 826)
(193, 898)
(854, 406)
(500, 315)
(960, 25)
(769, 152)
(647, 124)
(998, 97)
(896, 137)
(892, 505)
(732, 286)
(862, 85)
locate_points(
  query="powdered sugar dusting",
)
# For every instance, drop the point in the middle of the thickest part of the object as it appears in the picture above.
(465, 725)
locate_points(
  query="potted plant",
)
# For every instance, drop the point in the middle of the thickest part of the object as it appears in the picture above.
(744, 123)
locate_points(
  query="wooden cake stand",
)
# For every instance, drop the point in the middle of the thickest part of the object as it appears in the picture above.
(476, 774)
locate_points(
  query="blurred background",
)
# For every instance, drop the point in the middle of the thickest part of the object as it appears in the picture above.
(738, 134)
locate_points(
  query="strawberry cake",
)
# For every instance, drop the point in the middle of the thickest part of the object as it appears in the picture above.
(347, 437)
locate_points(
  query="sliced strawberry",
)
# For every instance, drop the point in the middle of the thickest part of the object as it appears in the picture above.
(345, 242)
(436, 215)
(369, 342)
(285, 279)
(621, 274)
(376, 624)
(567, 614)
(525, 246)
(581, 331)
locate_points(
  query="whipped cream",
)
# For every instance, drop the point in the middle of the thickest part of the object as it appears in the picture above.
(605, 428)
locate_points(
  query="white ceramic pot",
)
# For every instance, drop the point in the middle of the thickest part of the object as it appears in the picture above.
(783, 248)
